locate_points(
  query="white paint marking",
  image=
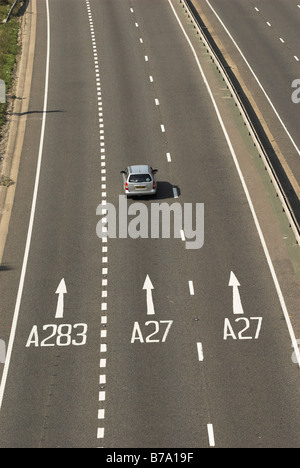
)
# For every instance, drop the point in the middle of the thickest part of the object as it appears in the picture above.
(200, 352)
(100, 433)
(148, 286)
(191, 287)
(162, 128)
(182, 235)
(168, 157)
(211, 437)
(237, 304)
(102, 379)
(61, 291)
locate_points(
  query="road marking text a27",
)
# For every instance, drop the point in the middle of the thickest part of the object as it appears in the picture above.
(243, 328)
(154, 329)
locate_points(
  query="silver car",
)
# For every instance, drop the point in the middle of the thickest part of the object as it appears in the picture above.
(139, 180)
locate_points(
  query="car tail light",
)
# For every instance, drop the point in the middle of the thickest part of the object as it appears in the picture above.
(126, 186)
(154, 185)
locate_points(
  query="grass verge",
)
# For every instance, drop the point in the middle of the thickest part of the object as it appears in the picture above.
(9, 50)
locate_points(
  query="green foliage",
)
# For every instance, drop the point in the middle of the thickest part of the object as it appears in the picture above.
(9, 50)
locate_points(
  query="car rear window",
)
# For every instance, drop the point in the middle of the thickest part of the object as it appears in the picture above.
(140, 178)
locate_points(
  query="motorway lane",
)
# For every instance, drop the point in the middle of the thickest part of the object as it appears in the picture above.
(51, 392)
(258, 28)
(148, 394)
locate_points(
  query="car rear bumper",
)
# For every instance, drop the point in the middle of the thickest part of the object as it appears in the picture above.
(140, 193)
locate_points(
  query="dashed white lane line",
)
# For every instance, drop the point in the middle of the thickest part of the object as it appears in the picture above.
(211, 436)
(157, 103)
(191, 288)
(103, 188)
(200, 352)
(102, 363)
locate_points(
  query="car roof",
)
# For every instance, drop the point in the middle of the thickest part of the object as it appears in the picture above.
(139, 169)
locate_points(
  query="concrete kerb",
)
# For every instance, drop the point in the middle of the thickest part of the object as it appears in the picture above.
(285, 173)
(17, 124)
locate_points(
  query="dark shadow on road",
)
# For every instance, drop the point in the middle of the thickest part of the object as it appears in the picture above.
(20, 114)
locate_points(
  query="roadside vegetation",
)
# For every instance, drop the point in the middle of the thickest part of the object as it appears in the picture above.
(9, 49)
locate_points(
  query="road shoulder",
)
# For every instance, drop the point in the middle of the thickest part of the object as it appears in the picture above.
(17, 124)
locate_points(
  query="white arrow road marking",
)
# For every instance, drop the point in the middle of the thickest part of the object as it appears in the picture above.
(237, 304)
(149, 286)
(61, 291)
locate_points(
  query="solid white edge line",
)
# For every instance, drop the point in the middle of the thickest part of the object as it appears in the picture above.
(260, 233)
(257, 80)
(31, 221)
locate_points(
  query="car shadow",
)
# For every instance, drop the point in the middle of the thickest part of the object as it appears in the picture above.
(166, 190)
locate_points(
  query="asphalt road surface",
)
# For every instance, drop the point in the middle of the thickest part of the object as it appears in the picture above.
(98, 358)
(262, 38)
